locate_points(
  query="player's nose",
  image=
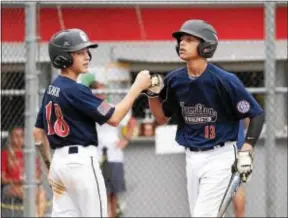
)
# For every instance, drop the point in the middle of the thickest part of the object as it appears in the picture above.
(182, 42)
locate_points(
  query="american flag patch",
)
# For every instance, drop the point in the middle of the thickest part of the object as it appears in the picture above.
(104, 108)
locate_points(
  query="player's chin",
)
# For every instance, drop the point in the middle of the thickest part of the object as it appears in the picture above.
(84, 69)
(187, 57)
(183, 56)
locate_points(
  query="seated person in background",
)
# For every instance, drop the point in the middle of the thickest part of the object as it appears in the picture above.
(12, 171)
(239, 197)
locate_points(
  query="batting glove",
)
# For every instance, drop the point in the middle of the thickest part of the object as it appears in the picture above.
(245, 165)
(156, 86)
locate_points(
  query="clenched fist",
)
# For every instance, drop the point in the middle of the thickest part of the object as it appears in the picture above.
(156, 86)
(143, 80)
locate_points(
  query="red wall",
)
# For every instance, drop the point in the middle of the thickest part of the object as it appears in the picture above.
(158, 23)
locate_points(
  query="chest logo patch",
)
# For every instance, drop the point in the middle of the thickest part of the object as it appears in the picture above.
(198, 114)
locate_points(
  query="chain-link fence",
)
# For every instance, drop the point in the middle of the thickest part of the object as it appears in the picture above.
(13, 125)
(156, 184)
(12, 115)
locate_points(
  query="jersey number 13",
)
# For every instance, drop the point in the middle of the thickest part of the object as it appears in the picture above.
(60, 128)
(210, 132)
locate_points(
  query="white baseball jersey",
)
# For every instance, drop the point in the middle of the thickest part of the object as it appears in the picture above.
(108, 136)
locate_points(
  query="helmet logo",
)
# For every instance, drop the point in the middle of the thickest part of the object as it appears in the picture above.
(83, 37)
(66, 43)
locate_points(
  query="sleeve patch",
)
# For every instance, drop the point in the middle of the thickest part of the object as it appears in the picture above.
(104, 108)
(243, 106)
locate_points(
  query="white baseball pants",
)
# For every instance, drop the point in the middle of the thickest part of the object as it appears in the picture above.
(77, 183)
(208, 174)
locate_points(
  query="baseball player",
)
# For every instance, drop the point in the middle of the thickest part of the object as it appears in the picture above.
(67, 117)
(111, 144)
(209, 103)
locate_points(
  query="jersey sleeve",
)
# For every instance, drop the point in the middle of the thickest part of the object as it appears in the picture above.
(169, 102)
(97, 109)
(244, 104)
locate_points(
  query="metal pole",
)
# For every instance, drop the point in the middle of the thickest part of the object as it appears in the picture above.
(31, 102)
(270, 54)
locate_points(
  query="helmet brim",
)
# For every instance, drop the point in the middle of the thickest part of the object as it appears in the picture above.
(178, 34)
(93, 45)
(82, 46)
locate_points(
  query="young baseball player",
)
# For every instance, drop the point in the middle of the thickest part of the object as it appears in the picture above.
(209, 102)
(67, 117)
(111, 144)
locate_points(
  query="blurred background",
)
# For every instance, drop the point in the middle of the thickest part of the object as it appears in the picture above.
(133, 36)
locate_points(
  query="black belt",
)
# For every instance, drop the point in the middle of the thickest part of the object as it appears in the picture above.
(205, 149)
(74, 149)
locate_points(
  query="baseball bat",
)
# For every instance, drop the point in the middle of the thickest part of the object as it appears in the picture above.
(231, 190)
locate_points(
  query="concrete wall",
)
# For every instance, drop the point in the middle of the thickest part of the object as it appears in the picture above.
(156, 185)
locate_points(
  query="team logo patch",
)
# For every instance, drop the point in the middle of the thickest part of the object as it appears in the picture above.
(243, 106)
(104, 108)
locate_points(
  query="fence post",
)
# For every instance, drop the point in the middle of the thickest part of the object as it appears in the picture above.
(31, 97)
(270, 55)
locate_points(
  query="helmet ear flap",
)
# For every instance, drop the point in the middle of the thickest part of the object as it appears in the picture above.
(63, 61)
(206, 49)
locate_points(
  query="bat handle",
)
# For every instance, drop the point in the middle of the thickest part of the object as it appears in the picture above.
(244, 178)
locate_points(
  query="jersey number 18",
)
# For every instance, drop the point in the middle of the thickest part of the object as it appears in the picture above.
(61, 128)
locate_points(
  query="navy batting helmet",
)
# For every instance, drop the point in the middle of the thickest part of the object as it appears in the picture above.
(202, 30)
(63, 43)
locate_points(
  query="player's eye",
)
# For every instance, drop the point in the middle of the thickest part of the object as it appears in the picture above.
(187, 38)
(82, 52)
(183, 38)
(191, 39)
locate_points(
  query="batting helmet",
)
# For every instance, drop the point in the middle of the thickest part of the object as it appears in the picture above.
(202, 30)
(64, 42)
